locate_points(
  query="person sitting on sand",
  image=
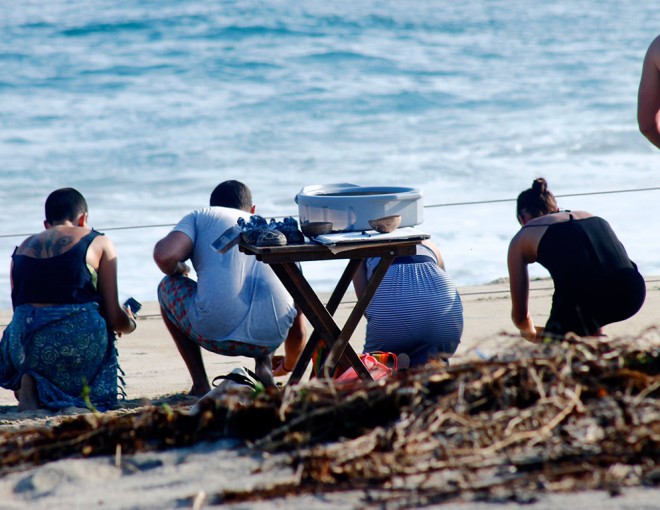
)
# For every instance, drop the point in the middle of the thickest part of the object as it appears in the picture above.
(237, 306)
(60, 341)
(416, 310)
(595, 281)
(648, 98)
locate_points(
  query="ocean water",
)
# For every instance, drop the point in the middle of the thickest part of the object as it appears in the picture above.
(144, 106)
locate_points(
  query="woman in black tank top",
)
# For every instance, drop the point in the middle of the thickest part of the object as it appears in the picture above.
(595, 281)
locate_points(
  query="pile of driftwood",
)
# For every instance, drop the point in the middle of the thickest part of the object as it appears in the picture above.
(583, 413)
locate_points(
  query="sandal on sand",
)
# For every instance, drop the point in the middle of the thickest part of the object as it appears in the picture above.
(240, 375)
(236, 386)
(237, 378)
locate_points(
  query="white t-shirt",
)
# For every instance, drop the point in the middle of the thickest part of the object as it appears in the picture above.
(238, 297)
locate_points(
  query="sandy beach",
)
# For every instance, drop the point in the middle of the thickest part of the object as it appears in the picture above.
(181, 478)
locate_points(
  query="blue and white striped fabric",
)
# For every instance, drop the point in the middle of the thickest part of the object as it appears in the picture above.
(416, 310)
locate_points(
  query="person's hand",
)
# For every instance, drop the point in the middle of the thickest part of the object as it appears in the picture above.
(540, 334)
(281, 366)
(181, 268)
(536, 337)
(131, 318)
(531, 335)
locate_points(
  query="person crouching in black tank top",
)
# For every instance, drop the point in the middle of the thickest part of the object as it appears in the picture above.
(595, 281)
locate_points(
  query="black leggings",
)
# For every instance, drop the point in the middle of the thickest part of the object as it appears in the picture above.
(618, 297)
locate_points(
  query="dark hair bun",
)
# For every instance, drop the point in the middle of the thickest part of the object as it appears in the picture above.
(540, 186)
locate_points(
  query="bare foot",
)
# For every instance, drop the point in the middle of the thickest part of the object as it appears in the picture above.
(199, 390)
(28, 397)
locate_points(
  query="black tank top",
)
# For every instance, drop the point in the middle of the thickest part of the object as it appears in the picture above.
(62, 279)
(579, 252)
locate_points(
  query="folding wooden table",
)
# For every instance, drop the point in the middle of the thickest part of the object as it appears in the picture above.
(284, 262)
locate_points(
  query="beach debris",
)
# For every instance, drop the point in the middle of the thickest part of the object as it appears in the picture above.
(199, 500)
(582, 414)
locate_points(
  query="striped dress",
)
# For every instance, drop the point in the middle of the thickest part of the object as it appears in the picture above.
(416, 310)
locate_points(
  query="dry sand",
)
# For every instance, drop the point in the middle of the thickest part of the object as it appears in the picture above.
(173, 478)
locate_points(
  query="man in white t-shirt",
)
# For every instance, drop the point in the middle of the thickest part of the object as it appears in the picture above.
(237, 306)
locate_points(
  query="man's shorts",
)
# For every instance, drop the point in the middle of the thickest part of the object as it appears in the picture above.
(176, 295)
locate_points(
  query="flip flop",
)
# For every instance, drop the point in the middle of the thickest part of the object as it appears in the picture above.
(249, 378)
(237, 378)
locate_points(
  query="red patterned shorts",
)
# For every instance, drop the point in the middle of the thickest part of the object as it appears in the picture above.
(176, 295)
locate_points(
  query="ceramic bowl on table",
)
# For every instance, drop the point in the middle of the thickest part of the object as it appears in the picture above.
(316, 228)
(386, 224)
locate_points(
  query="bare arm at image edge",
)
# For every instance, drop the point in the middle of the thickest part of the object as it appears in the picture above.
(648, 99)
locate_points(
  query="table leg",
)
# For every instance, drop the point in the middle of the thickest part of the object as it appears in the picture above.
(317, 314)
(354, 318)
(333, 303)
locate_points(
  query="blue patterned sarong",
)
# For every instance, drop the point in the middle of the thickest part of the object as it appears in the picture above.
(64, 347)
